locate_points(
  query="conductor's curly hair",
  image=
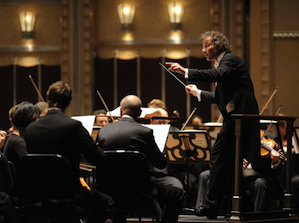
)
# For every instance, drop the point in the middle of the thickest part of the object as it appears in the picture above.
(218, 39)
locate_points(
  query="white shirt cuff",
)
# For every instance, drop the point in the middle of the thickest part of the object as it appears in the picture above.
(186, 73)
(199, 95)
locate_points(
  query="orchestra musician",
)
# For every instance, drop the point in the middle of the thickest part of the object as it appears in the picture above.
(101, 118)
(3, 135)
(7, 214)
(294, 163)
(264, 185)
(10, 130)
(196, 120)
(234, 94)
(57, 133)
(15, 145)
(157, 103)
(41, 108)
(170, 174)
(128, 133)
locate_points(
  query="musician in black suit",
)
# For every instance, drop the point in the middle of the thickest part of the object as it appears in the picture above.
(55, 133)
(129, 134)
(234, 94)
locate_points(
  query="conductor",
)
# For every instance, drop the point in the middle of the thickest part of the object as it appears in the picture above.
(234, 94)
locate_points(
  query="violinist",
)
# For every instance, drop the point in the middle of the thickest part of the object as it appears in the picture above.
(264, 185)
(41, 108)
(294, 163)
(157, 103)
(196, 120)
(101, 118)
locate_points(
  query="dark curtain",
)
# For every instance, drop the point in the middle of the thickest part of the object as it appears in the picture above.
(175, 91)
(50, 74)
(104, 83)
(25, 90)
(151, 84)
(150, 79)
(203, 109)
(176, 94)
(127, 78)
(6, 92)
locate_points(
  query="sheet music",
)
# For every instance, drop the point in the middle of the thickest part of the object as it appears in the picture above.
(115, 112)
(147, 111)
(160, 134)
(144, 111)
(87, 121)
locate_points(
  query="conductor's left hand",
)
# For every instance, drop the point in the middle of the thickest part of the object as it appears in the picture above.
(191, 89)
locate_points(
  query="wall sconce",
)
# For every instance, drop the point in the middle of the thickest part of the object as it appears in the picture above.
(27, 20)
(126, 14)
(176, 12)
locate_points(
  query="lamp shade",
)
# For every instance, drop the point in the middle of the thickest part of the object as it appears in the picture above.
(176, 12)
(126, 14)
(27, 20)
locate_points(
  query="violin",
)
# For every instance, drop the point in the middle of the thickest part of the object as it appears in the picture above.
(268, 145)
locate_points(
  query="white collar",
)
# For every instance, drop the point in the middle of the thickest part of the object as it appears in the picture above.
(216, 64)
(127, 116)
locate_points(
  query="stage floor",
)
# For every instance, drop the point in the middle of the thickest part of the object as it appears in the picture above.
(184, 219)
(193, 218)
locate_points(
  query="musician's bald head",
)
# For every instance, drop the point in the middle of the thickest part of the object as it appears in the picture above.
(131, 105)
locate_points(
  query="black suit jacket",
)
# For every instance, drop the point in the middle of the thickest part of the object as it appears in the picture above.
(234, 85)
(58, 134)
(128, 134)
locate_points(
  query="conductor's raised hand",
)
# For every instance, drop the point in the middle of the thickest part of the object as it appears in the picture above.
(191, 89)
(175, 67)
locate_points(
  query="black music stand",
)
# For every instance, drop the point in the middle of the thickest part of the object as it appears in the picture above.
(184, 147)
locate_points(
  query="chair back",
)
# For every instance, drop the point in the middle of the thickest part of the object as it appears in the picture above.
(125, 177)
(44, 177)
(6, 177)
(124, 174)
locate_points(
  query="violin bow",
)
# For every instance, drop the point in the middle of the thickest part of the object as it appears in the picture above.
(188, 119)
(274, 92)
(263, 109)
(34, 85)
(265, 132)
(105, 105)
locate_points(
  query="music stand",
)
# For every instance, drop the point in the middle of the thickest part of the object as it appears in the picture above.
(185, 146)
